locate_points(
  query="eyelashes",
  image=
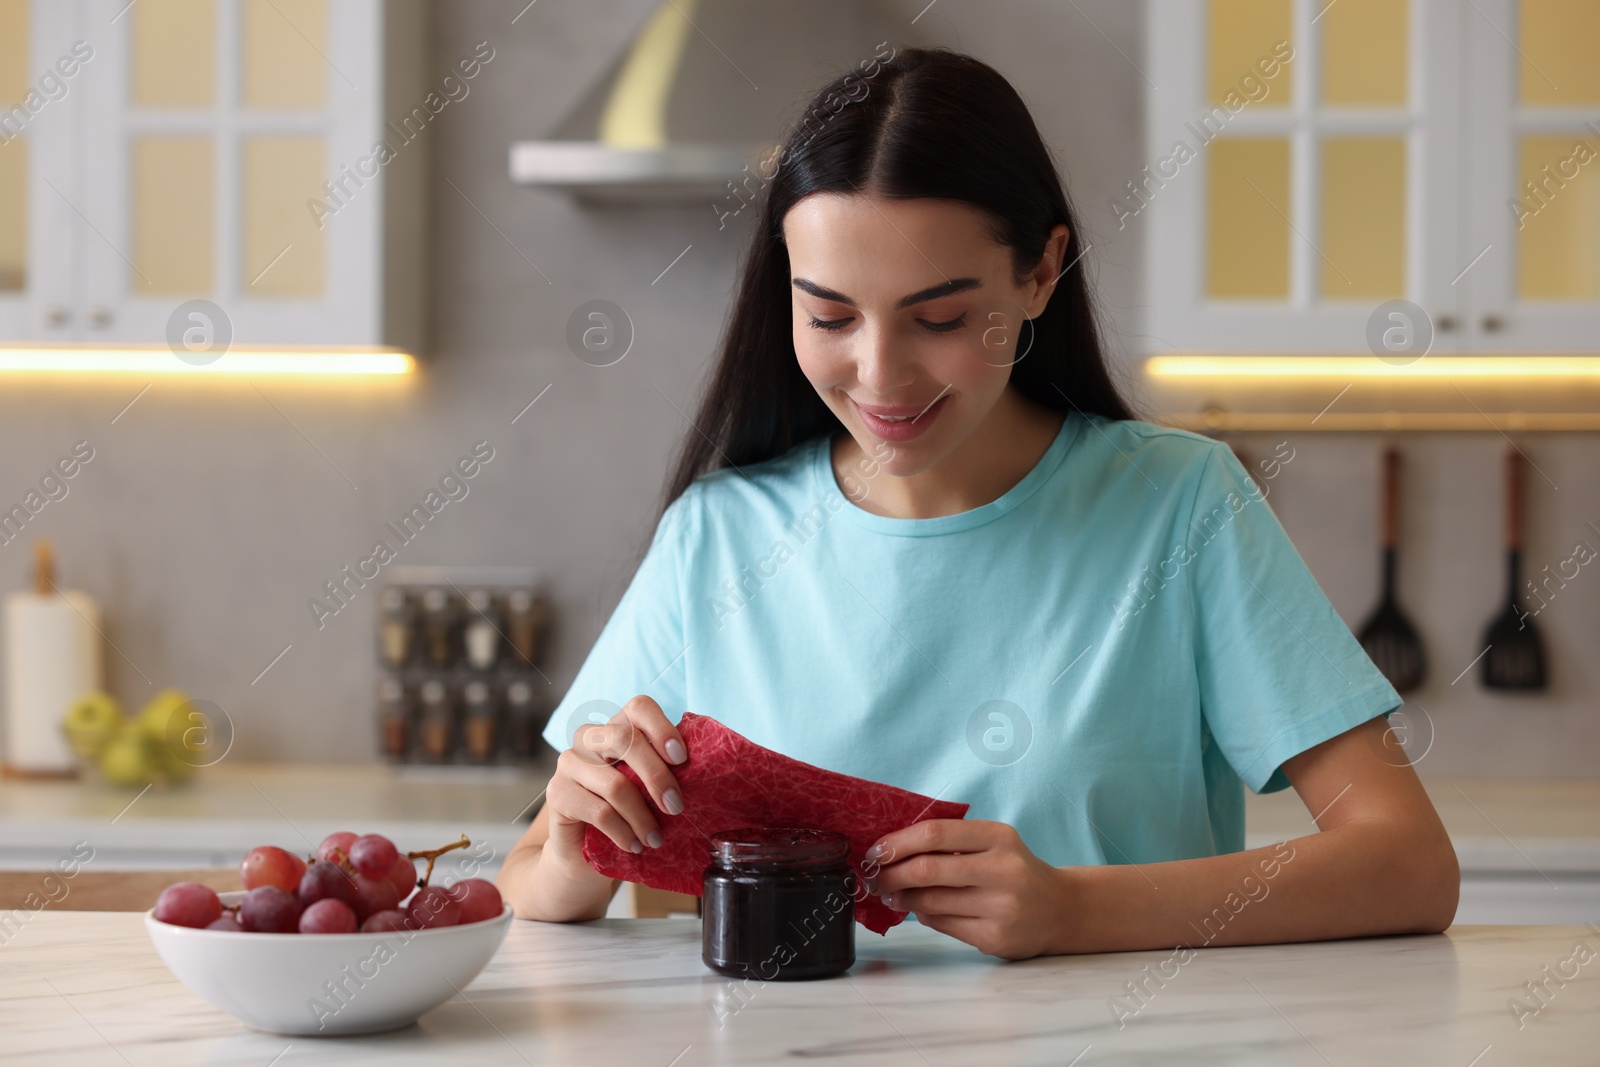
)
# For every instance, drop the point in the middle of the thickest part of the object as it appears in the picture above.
(948, 326)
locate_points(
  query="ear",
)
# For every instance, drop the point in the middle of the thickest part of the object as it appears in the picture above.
(1041, 283)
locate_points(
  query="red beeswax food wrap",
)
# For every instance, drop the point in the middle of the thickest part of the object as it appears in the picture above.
(731, 782)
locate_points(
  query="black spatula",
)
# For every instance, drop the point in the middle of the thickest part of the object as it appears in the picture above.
(1515, 659)
(1388, 636)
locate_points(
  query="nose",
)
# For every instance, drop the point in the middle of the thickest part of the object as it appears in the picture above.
(880, 362)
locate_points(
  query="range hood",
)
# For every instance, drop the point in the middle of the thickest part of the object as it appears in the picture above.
(632, 160)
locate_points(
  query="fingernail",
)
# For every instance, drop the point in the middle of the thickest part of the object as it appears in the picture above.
(872, 885)
(874, 854)
(653, 839)
(636, 848)
(675, 751)
(673, 800)
(888, 900)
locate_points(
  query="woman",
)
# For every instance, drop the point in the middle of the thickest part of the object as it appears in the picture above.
(915, 535)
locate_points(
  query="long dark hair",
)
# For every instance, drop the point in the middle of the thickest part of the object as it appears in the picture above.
(923, 123)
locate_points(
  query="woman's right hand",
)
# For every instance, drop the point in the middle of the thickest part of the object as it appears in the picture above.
(589, 790)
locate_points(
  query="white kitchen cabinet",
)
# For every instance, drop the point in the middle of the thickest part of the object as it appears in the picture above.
(223, 150)
(1378, 163)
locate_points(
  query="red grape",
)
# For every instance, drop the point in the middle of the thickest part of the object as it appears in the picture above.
(328, 916)
(373, 895)
(373, 855)
(227, 922)
(432, 906)
(188, 904)
(342, 840)
(383, 922)
(404, 876)
(323, 879)
(270, 865)
(477, 898)
(266, 909)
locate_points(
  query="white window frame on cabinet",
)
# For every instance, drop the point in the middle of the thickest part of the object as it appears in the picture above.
(1181, 316)
(43, 309)
(1490, 171)
(349, 310)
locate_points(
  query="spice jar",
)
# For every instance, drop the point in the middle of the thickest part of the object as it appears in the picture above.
(438, 627)
(481, 635)
(438, 733)
(394, 718)
(778, 904)
(522, 729)
(477, 725)
(395, 627)
(526, 618)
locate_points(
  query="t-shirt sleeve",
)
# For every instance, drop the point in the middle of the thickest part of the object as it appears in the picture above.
(1279, 672)
(642, 648)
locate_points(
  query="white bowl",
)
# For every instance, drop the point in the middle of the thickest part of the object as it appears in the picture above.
(327, 984)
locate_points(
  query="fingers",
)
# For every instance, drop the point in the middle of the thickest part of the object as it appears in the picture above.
(664, 737)
(940, 902)
(599, 795)
(937, 835)
(927, 869)
(640, 736)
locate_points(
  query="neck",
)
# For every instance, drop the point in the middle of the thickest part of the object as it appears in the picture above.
(1005, 446)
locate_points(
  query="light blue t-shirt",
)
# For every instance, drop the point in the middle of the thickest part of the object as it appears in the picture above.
(1099, 657)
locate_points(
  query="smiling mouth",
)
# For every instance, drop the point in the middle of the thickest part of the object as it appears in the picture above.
(899, 413)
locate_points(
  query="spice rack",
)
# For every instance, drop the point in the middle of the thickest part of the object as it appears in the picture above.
(459, 652)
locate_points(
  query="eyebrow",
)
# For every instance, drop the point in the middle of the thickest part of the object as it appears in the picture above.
(933, 292)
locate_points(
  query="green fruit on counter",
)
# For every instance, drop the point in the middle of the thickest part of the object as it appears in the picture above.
(92, 721)
(128, 759)
(175, 731)
(156, 718)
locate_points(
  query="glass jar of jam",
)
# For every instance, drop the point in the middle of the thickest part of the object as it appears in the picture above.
(778, 904)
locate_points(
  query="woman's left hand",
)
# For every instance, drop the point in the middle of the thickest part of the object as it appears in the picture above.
(977, 882)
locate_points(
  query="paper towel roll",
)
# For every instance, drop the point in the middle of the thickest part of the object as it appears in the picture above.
(52, 657)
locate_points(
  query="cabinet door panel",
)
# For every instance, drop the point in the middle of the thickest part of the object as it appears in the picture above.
(1533, 168)
(295, 95)
(39, 78)
(1284, 218)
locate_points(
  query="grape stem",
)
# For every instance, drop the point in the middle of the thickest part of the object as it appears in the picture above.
(431, 854)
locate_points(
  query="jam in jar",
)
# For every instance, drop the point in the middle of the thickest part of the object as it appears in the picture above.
(779, 904)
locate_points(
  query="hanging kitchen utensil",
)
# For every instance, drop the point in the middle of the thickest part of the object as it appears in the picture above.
(1388, 636)
(1515, 657)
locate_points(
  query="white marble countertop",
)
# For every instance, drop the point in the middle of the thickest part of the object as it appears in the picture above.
(88, 988)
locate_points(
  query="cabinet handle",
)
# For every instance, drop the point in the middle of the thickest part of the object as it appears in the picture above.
(100, 318)
(56, 318)
(1445, 323)
(1492, 323)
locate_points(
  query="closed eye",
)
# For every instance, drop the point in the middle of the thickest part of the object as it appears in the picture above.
(948, 326)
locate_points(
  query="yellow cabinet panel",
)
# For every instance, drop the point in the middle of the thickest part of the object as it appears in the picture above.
(285, 42)
(1247, 226)
(1363, 217)
(282, 250)
(13, 51)
(13, 214)
(1557, 57)
(1241, 33)
(1558, 216)
(173, 213)
(174, 53)
(1365, 45)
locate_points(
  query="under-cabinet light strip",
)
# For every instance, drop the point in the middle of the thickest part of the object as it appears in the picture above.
(1347, 367)
(299, 362)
